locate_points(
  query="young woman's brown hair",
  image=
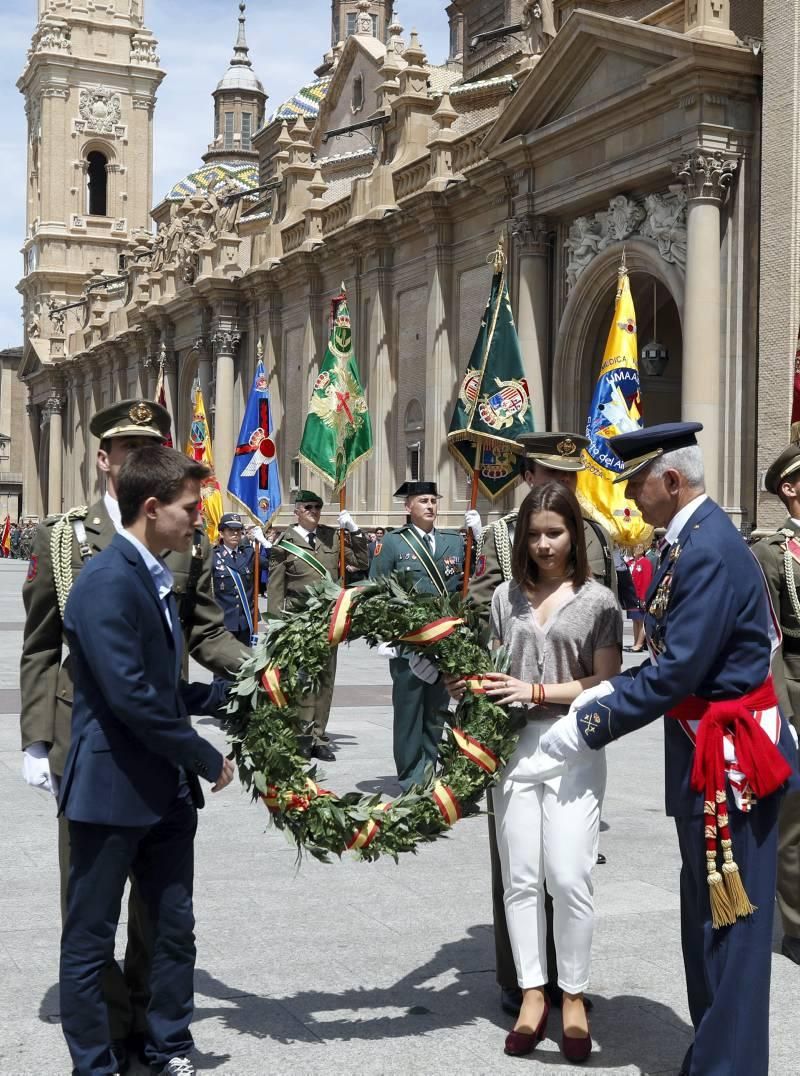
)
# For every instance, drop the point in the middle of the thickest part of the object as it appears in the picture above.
(550, 497)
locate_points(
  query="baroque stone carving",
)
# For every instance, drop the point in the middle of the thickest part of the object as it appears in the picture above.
(538, 25)
(706, 176)
(144, 50)
(363, 19)
(100, 109)
(53, 35)
(226, 341)
(57, 316)
(531, 233)
(660, 218)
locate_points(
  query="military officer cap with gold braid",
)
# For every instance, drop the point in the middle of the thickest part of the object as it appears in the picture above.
(558, 451)
(132, 418)
(785, 466)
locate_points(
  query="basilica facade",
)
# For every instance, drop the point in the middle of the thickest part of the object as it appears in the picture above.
(664, 133)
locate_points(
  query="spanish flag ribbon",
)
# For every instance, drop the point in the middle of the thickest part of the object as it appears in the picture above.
(475, 751)
(476, 684)
(271, 680)
(433, 632)
(339, 626)
(286, 800)
(447, 803)
(364, 836)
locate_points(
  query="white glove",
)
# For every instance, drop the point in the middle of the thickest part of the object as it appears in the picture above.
(423, 668)
(347, 523)
(563, 742)
(591, 693)
(385, 650)
(258, 534)
(36, 768)
(472, 518)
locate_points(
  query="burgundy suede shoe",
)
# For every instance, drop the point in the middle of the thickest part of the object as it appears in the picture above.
(576, 1050)
(520, 1043)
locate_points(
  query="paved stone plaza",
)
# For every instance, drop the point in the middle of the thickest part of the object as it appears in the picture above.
(354, 968)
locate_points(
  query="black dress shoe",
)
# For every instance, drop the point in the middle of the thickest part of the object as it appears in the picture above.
(511, 1000)
(790, 947)
(323, 752)
(601, 858)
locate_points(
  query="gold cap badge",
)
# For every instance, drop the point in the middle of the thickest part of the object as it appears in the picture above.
(567, 447)
(141, 414)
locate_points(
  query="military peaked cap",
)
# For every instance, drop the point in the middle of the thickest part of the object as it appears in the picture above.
(230, 519)
(417, 489)
(640, 447)
(132, 418)
(786, 465)
(559, 451)
(307, 496)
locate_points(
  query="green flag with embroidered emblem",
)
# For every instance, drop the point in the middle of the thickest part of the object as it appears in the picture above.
(338, 432)
(494, 405)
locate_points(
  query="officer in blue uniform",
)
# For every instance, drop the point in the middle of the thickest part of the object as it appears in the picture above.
(435, 560)
(708, 633)
(234, 567)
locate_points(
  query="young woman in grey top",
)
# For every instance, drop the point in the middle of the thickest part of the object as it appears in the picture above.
(563, 633)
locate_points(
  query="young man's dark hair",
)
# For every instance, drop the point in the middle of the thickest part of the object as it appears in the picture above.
(154, 471)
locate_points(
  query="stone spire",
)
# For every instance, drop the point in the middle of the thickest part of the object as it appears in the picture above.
(241, 53)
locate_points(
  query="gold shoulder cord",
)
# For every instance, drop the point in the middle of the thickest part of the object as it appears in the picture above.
(61, 554)
(502, 543)
(791, 590)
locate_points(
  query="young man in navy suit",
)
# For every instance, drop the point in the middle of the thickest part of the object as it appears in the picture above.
(130, 790)
(729, 752)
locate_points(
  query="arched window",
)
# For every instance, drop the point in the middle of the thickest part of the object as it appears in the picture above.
(415, 440)
(97, 184)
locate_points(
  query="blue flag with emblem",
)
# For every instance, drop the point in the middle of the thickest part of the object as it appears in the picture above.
(254, 481)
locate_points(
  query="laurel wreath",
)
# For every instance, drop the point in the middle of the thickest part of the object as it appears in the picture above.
(290, 660)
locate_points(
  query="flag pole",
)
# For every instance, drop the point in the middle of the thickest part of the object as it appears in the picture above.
(342, 554)
(256, 585)
(473, 501)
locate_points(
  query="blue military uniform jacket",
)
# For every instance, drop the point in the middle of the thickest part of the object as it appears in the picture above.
(395, 554)
(232, 568)
(708, 622)
(131, 733)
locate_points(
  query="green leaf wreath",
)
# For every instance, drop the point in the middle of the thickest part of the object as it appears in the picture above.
(291, 659)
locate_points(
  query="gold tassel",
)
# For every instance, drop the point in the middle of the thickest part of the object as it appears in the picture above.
(722, 912)
(737, 894)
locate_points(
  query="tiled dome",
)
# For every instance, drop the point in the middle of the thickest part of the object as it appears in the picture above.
(305, 102)
(212, 175)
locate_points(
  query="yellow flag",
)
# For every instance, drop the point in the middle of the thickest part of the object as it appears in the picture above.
(198, 447)
(616, 408)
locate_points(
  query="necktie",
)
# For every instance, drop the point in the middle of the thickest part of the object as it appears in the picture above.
(429, 542)
(312, 540)
(663, 550)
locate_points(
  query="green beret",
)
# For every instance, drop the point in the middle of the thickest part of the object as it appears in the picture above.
(307, 496)
(132, 418)
(784, 466)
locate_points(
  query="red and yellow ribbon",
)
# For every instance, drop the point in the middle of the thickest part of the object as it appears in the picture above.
(271, 680)
(287, 800)
(339, 626)
(364, 836)
(475, 751)
(476, 684)
(433, 632)
(447, 803)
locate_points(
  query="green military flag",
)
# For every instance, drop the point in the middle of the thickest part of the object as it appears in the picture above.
(494, 404)
(338, 432)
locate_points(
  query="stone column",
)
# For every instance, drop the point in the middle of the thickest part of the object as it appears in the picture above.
(53, 413)
(441, 375)
(226, 341)
(707, 179)
(383, 387)
(531, 239)
(31, 499)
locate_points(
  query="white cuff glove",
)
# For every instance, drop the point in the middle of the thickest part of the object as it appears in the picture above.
(472, 518)
(347, 523)
(258, 534)
(36, 768)
(423, 668)
(385, 650)
(591, 693)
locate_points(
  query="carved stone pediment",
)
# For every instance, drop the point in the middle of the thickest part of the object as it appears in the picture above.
(100, 109)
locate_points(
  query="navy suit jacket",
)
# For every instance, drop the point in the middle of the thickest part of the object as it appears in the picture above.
(131, 732)
(713, 640)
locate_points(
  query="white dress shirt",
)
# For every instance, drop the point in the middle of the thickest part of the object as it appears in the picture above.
(680, 519)
(112, 507)
(160, 573)
(423, 535)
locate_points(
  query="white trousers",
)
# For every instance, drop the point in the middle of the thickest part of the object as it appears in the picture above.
(547, 830)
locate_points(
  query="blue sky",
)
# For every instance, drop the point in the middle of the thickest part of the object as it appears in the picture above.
(287, 39)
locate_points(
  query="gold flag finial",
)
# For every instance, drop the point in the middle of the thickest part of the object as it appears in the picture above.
(344, 288)
(623, 267)
(498, 256)
(260, 349)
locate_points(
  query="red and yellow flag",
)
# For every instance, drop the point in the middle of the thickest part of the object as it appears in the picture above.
(198, 447)
(5, 538)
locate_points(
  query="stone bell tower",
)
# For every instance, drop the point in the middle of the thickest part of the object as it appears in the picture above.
(345, 15)
(89, 85)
